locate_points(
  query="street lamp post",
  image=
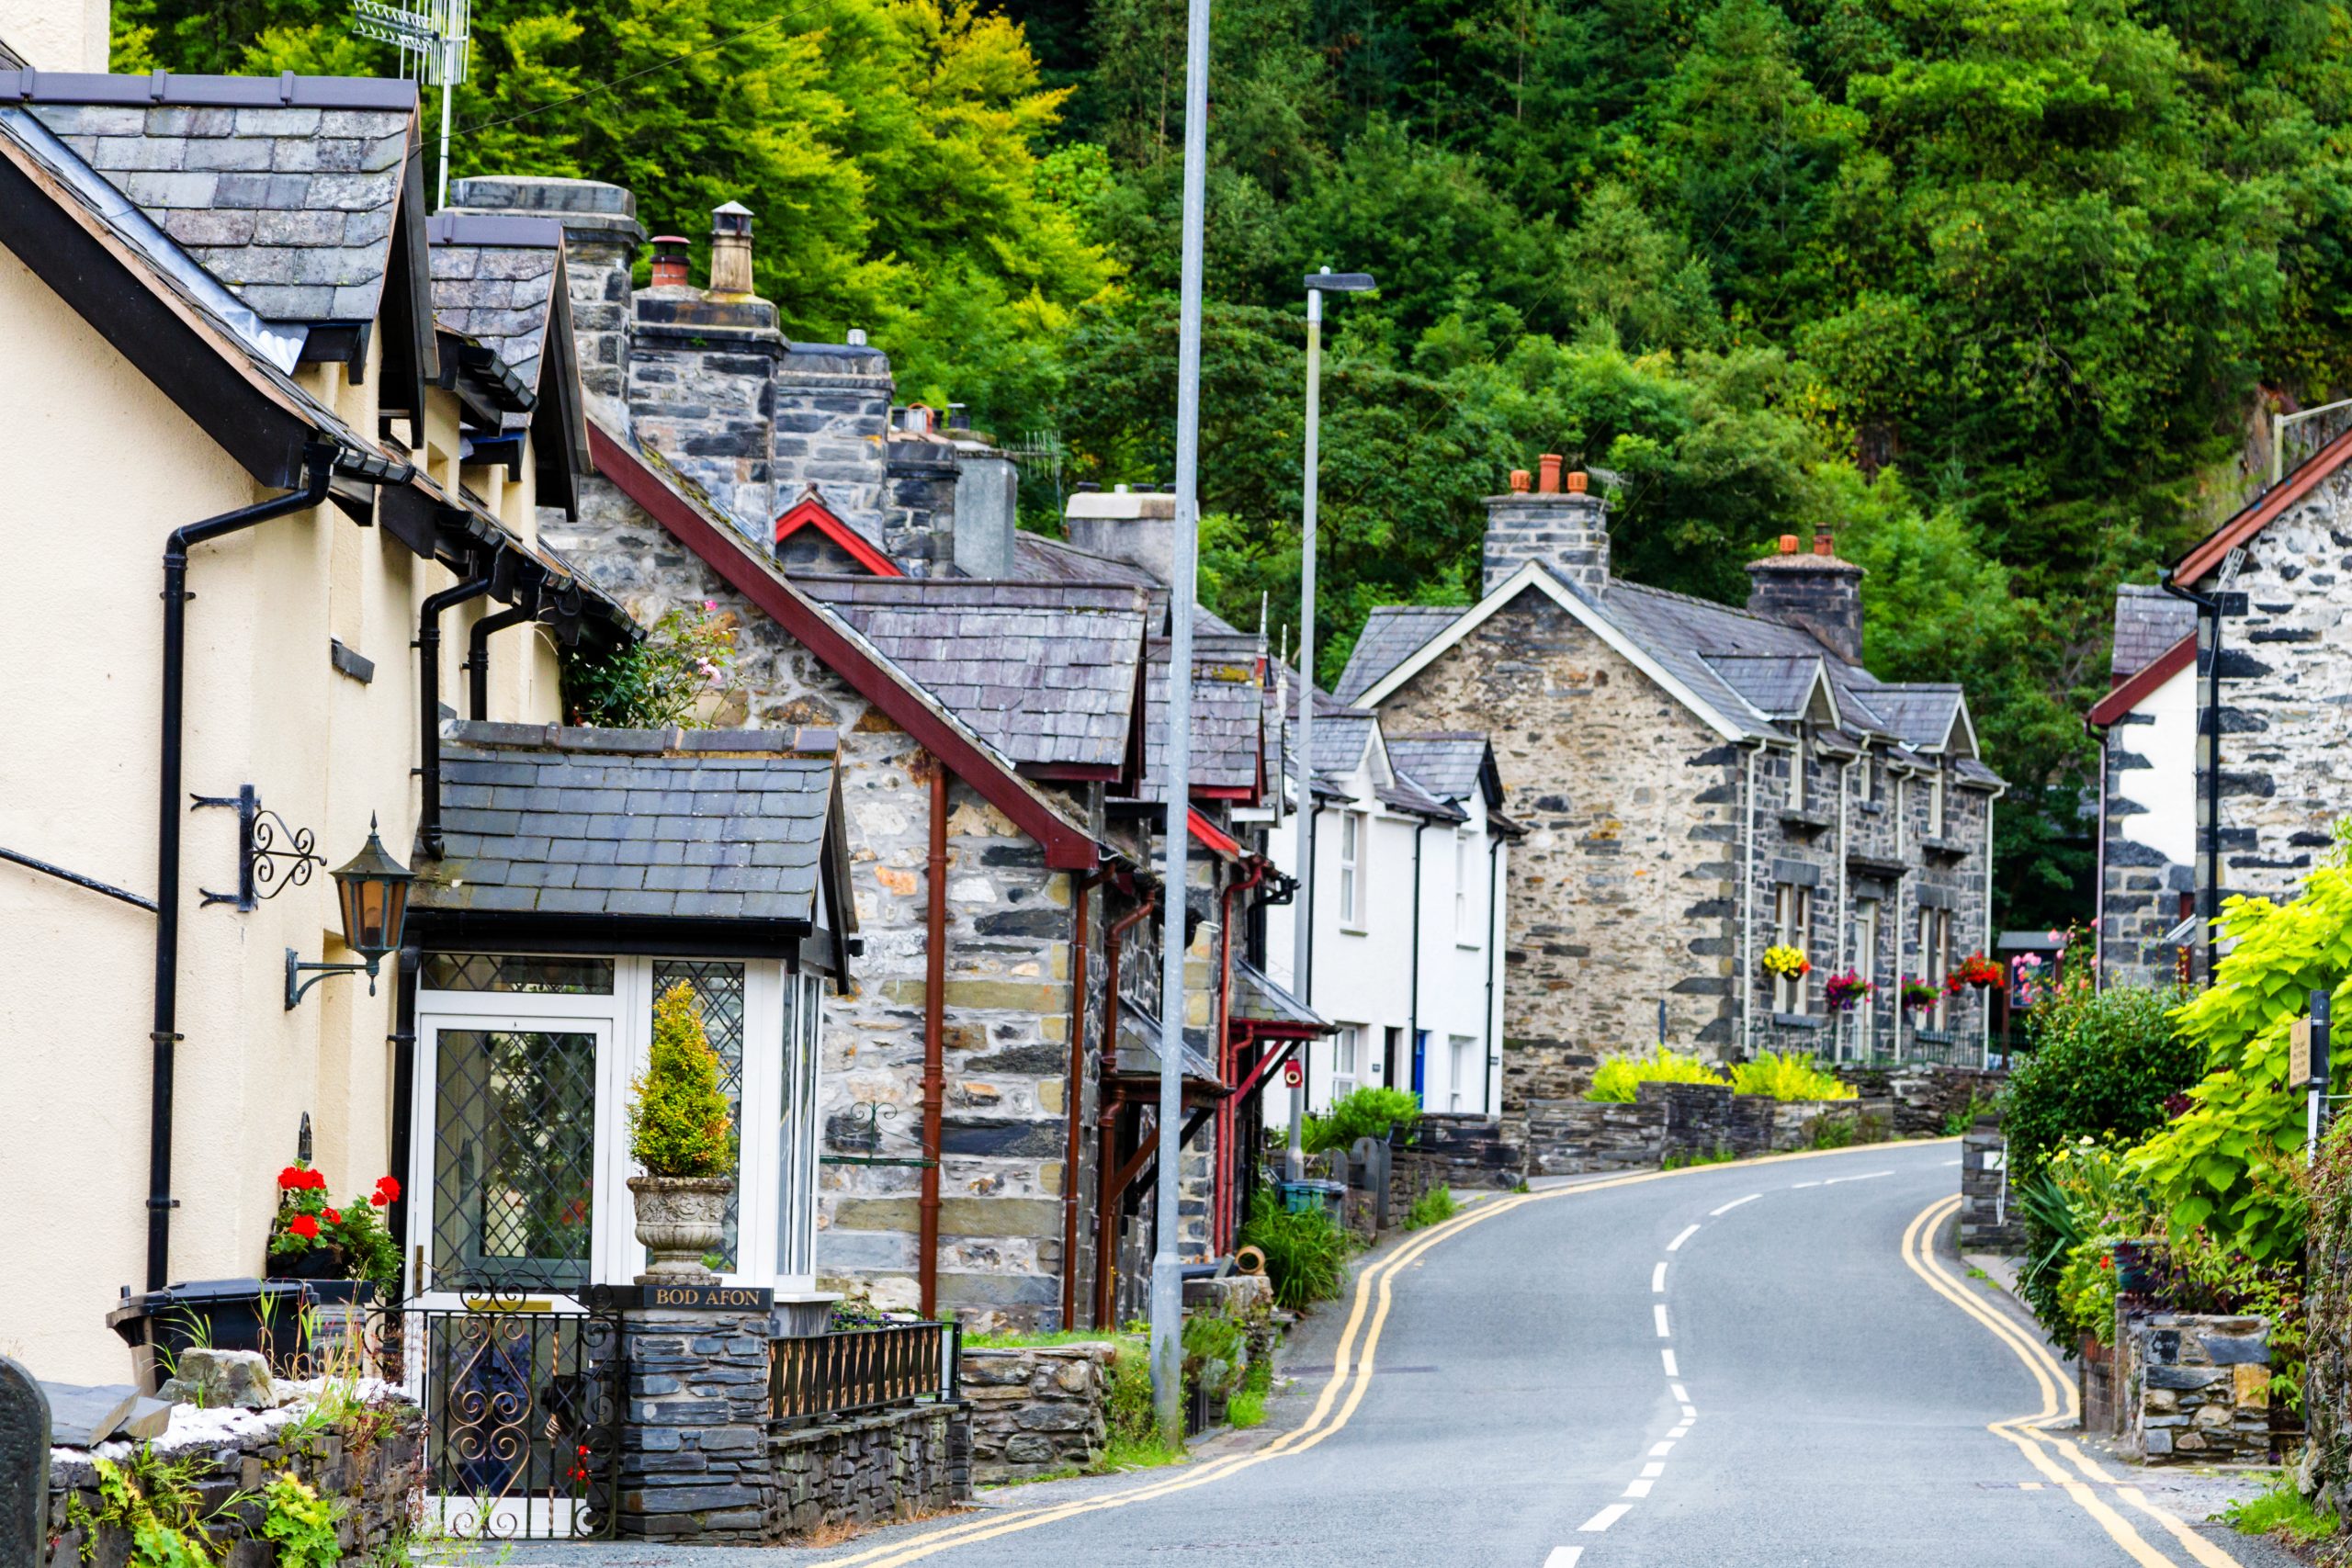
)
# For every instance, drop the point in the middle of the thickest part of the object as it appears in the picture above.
(1303, 912)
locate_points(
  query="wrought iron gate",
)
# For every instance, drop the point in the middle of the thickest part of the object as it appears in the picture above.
(522, 1417)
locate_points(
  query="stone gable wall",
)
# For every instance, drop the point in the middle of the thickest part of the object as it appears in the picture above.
(1005, 1134)
(2140, 885)
(1623, 894)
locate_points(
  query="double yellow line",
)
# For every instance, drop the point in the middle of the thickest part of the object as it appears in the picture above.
(2058, 1403)
(1334, 1407)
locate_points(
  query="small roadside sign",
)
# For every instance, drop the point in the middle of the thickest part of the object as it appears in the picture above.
(1294, 1075)
(2299, 1052)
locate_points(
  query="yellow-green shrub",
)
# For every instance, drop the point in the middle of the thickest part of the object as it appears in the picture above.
(1618, 1076)
(678, 1122)
(1787, 1075)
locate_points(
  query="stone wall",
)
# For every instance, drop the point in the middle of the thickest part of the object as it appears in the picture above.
(1989, 1220)
(1685, 1121)
(2194, 1390)
(1624, 892)
(372, 1462)
(1472, 1151)
(856, 1472)
(1924, 1096)
(1038, 1410)
(693, 1462)
(1005, 1136)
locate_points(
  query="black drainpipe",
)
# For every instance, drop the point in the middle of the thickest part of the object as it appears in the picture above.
(428, 675)
(403, 1042)
(318, 469)
(2209, 904)
(1493, 1030)
(1413, 997)
(526, 608)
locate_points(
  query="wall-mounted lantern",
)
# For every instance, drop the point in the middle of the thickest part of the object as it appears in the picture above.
(373, 892)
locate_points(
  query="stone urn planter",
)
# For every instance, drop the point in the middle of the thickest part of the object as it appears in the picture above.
(679, 1219)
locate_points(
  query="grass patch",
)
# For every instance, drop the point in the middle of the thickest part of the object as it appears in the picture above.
(1431, 1207)
(1722, 1154)
(1306, 1253)
(1834, 1132)
(2283, 1513)
(1009, 1341)
(1246, 1410)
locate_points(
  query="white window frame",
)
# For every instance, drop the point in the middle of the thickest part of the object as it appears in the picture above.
(1935, 961)
(1458, 1049)
(1793, 927)
(1935, 803)
(1866, 923)
(1800, 770)
(1346, 1061)
(1355, 831)
(1468, 927)
(774, 1245)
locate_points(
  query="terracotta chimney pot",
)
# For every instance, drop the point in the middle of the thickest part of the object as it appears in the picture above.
(1548, 469)
(1788, 544)
(1519, 479)
(669, 261)
(1576, 481)
(1824, 543)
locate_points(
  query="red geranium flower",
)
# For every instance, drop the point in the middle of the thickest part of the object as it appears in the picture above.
(333, 1218)
(387, 1190)
(318, 1181)
(293, 1176)
(304, 1225)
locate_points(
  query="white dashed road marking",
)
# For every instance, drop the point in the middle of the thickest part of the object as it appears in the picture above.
(1672, 1370)
(1659, 1312)
(1727, 1208)
(1653, 1469)
(1682, 1397)
(1866, 1175)
(1564, 1557)
(1638, 1488)
(1603, 1519)
(1688, 1232)
(1659, 1450)
(1658, 1278)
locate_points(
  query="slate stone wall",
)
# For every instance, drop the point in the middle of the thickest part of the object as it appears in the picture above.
(372, 1463)
(1989, 1220)
(1689, 1120)
(856, 1473)
(700, 375)
(832, 405)
(2194, 1390)
(1038, 1410)
(1008, 1000)
(1624, 892)
(1924, 1096)
(2286, 691)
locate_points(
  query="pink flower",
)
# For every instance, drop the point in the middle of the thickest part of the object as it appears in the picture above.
(710, 604)
(2059, 938)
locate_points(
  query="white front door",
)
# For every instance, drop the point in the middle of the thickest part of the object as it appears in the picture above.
(519, 1180)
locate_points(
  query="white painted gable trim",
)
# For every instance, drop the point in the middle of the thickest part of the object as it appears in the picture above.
(1534, 575)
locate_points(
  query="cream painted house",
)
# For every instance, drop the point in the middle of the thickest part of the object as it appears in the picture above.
(223, 294)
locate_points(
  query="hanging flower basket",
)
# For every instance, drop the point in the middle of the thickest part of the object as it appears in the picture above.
(310, 1239)
(1917, 994)
(1786, 963)
(1978, 971)
(1843, 992)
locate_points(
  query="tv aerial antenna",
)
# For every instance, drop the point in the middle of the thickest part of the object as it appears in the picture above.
(435, 43)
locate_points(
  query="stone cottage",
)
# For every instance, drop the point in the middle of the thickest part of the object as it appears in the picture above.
(1699, 781)
(2240, 670)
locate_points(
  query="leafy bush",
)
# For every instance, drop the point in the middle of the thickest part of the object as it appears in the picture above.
(1833, 1133)
(1245, 1410)
(2282, 1512)
(1134, 1441)
(2229, 1162)
(2083, 1200)
(1216, 1353)
(1788, 1075)
(2103, 1064)
(666, 678)
(1432, 1207)
(1307, 1254)
(678, 1121)
(302, 1523)
(1368, 1112)
(1618, 1076)
(1961, 1119)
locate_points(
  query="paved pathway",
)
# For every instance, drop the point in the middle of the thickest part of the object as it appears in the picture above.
(1772, 1362)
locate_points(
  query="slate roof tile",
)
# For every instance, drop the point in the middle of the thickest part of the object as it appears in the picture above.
(1256, 996)
(1446, 764)
(1228, 715)
(2148, 621)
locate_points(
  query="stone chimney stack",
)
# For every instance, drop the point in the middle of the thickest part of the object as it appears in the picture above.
(1558, 522)
(731, 249)
(601, 234)
(1138, 526)
(1816, 592)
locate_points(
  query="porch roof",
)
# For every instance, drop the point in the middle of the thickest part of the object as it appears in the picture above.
(1257, 1000)
(1138, 1053)
(713, 824)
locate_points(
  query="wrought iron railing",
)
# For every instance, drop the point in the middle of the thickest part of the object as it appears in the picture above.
(863, 1369)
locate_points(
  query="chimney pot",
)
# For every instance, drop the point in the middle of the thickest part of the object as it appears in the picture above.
(1519, 479)
(731, 249)
(857, 338)
(1576, 481)
(669, 261)
(1824, 543)
(1788, 544)
(1547, 468)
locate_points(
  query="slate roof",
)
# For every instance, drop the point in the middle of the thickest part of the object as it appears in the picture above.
(1259, 999)
(1403, 794)
(1228, 715)
(494, 282)
(1391, 634)
(1044, 671)
(1037, 559)
(1447, 763)
(725, 824)
(1136, 1055)
(2148, 621)
(1920, 713)
(285, 189)
(1775, 684)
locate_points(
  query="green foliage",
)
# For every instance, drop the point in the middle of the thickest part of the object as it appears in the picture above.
(2227, 1164)
(1366, 1112)
(1962, 1119)
(1617, 1077)
(1134, 1439)
(1832, 1132)
(675, 675)
(1245, 1410)
(1306, 1253)
(678, 1121)
(1216, 1354)
(2078, 1202)
(302, 1523)
(155, 1503)
(1789, 1075)
(1432, 1207)
(1680, 1159)
(2103, 1064)
(2282, 1513)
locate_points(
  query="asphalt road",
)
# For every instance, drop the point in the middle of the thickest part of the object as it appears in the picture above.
(1730, 1366)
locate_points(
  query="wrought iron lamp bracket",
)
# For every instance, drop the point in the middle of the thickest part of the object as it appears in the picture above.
(295, 969)
(271, 856)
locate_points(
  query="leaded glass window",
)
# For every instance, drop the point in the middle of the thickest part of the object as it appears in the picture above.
(515, 1147)
(518, 972)
(719, 987)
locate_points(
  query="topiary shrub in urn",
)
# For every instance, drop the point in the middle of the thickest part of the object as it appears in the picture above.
(681, 1133)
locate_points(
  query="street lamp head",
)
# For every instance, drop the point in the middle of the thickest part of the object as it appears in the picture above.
(1330, 282)
(373, 892)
